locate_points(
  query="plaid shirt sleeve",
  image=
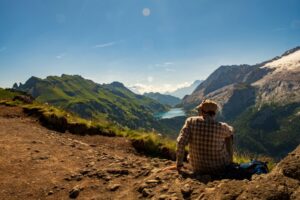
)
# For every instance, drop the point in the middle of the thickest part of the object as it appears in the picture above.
(182, 141)
(228, 130)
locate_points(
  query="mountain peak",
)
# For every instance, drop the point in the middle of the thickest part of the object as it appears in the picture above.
(290, 60)
(117, 84)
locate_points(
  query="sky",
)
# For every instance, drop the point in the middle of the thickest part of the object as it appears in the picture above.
(157, 45)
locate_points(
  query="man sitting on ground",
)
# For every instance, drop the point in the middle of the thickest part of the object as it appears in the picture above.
(210, 141)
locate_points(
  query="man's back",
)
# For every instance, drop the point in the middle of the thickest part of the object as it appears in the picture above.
(206, 139)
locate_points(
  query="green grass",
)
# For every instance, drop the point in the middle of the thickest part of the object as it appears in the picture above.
(90, 100)
(150, 143)
(7, 95)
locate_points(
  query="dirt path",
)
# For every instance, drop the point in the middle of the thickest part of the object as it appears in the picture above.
(37, 163)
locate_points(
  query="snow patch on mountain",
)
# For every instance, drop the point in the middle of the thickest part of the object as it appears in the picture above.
(287, 62)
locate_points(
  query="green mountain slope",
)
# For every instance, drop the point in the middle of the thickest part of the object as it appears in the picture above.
(94, 101)
(163, 98)
(272, 129)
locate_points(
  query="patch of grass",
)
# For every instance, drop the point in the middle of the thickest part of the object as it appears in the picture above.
(7, 94)
(150, 143)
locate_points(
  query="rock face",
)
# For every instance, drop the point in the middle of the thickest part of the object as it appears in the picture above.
(282, 183)
(273, 80)
(249, 93)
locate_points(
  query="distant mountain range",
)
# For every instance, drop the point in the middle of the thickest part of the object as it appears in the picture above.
(95, 101)
(181, 92)
(163, 98)
(262, 101)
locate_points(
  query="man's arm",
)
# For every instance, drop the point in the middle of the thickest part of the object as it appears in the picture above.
(228, 133)
(182, 141)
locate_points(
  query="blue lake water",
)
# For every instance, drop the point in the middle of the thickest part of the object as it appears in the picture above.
(174, 112)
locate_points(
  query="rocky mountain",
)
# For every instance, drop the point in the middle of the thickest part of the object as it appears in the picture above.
(262, 101)
(181, 92)
(94, 101)
(163, 98)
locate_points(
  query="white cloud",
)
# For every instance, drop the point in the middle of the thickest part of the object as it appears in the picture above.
(105, 45)
(163, 88)
(60, 56)
(166, 66)
(170, 70)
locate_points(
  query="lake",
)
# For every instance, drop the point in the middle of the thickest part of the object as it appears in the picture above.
(174, 112)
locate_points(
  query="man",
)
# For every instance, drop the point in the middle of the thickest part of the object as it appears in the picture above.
(210, 142)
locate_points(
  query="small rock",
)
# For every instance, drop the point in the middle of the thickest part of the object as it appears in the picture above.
(85, 171)
(114, 187)
(155, 165)
(73, 194)
(50, 192)
(186, 190)
(164, 188)
(91, 164)
(118, 171)
(163, 197)
(146, 192)
(43, 158)
(72, 145)
(152, 181)
(142, 187)
(94, 186)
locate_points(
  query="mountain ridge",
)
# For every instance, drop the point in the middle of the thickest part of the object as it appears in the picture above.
(247, 93)
(91, 100)
(163, 98)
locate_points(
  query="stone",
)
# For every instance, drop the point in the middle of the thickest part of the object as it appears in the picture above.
(146, 192)
(186, 190)
(163, 197)
(142, 187)
(114, 187)
(118, 171)
(85, 171)
(152, 181)
(164, 188)
(73, 194)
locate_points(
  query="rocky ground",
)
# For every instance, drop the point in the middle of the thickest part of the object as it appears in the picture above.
(37, 163)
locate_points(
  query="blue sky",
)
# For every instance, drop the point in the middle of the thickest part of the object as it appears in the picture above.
(156, 44)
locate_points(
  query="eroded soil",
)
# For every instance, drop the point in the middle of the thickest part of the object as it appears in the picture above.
(37, 163)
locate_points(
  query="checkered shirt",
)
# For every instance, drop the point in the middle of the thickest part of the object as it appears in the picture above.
(206, 140)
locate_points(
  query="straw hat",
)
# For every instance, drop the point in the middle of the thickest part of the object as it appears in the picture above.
(208, 106)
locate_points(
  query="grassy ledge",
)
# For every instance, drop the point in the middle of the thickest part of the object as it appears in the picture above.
(149, 143)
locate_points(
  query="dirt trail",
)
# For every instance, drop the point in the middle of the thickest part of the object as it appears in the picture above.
(37, 163)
